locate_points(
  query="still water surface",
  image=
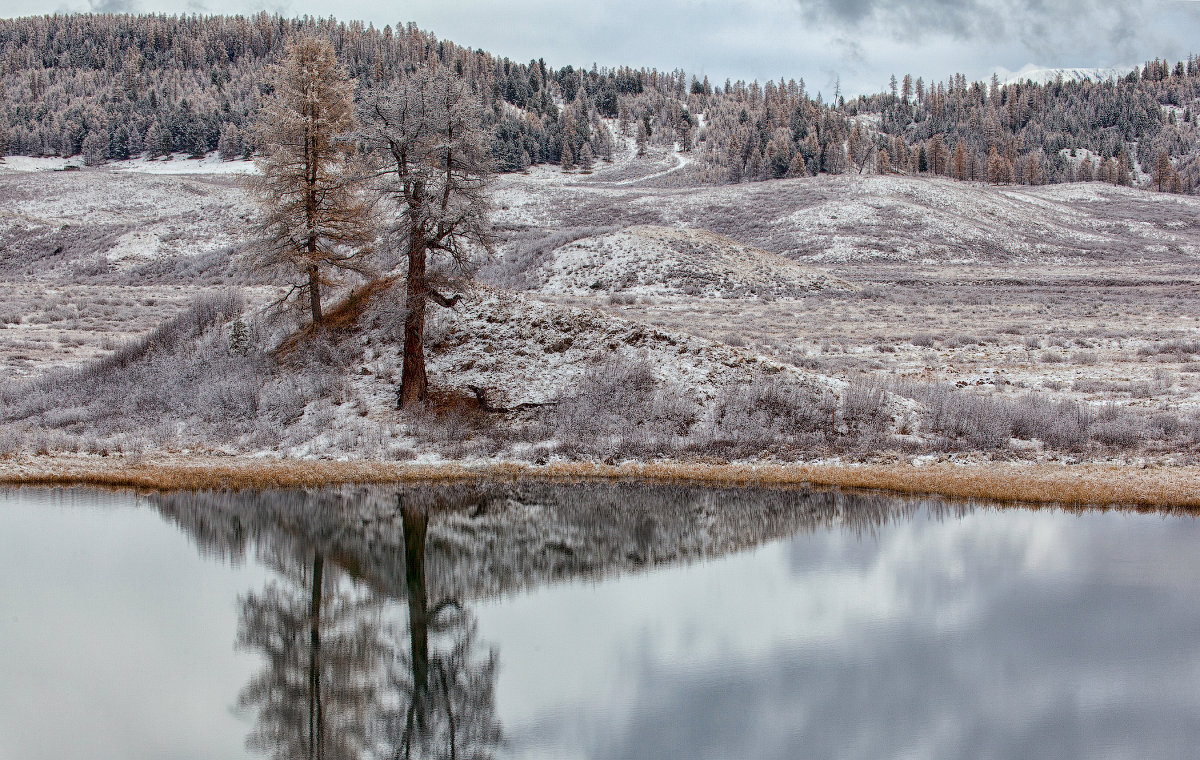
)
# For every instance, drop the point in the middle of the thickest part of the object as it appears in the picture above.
(591, 622)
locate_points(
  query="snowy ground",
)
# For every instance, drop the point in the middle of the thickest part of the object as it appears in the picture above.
(1081, 292)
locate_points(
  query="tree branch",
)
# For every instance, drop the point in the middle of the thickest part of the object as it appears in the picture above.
(481, 397)
(441, 300)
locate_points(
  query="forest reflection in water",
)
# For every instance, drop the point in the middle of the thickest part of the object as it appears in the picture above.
(345, 676)
(530, 620)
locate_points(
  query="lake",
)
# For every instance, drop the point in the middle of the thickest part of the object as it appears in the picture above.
(591, 621)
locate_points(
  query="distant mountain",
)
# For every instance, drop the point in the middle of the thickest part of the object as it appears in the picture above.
(1043, 75)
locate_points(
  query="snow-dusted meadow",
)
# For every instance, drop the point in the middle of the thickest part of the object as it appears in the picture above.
(833, 316)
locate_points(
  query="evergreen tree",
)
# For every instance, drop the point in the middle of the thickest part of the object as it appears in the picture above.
(587, 158)
(95, 148)
(230, 144)
(1085, 173)
(1162, 171)
(430, 142)
(960, 161)
(313, 216)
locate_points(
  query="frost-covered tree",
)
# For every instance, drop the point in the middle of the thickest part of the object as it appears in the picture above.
(1162, 171)
(313, 216)
(95, 148)
(434, 169)
(587, 159)
(230, 144)
(999, 168)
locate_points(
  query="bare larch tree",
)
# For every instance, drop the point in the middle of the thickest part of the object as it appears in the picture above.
(314, 215)
(434, 166)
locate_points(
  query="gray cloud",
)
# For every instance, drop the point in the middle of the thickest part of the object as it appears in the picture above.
(1046, 28)
(113, 6)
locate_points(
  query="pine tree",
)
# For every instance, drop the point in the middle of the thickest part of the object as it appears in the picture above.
(999, 168)
(239, 338)
(861, 149)
(313, 215)
(604, 143)
(230, 144)
(95, 148)
(938, 155)
(436, 167)
(1123, 173)
(1085, 173)
(797, 168)
(1162, 170)
(587, 159)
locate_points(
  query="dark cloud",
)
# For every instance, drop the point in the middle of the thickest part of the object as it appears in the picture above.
(1043, 27)
(113, 6)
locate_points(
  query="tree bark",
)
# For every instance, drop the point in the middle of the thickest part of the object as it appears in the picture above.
(314, 293)
(414, 387)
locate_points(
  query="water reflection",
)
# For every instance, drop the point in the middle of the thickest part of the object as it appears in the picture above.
(342, 679)
(368, 642)
(859, 625)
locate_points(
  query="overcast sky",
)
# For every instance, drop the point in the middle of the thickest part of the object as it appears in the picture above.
(860, 41)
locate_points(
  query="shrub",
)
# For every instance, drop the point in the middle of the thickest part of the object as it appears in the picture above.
(769, 411)
(1058, 424)
(621, 405)
(865, 411)
(960, 417)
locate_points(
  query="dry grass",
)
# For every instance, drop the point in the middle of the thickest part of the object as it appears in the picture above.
(342, 316)
(1068, 485)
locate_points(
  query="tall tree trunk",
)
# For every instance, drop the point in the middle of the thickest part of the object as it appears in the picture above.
(314, 292)
(413, 383)
(316, 718)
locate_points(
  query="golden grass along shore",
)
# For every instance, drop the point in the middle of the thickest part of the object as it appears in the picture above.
(1035, 483)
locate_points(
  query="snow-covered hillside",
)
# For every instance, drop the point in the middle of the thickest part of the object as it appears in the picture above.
(1047, 74)
(709, 305)
(654, 260)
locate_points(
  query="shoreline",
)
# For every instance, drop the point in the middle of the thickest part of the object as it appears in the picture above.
(1043, 483)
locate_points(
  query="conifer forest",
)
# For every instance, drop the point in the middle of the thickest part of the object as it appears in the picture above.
(109, 87)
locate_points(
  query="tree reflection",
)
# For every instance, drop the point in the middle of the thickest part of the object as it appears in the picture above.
(320, 639)
(349, 675)
(370, 650)
(445, 704)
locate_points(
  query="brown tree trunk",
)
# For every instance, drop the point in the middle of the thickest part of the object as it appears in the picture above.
(413, 383)
(314, 293)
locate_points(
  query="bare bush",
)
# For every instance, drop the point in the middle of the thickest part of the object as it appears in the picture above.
(621, 405)
(963, 419)
(1059, 424)
(769, 412)
(865, 412)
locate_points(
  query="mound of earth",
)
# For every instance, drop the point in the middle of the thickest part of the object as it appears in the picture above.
(671, 261)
